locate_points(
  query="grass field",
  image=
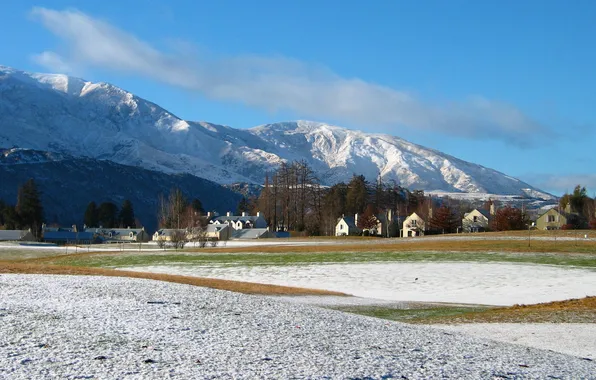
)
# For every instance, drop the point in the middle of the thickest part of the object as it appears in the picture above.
(570, 311)
(130, 259)
(568, 250)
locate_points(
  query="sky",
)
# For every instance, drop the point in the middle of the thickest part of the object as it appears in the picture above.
(505, 84)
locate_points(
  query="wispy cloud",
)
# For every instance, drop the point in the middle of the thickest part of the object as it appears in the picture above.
(278, 83)
(560, 184)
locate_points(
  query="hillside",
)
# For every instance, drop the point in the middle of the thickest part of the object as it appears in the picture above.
(69, 183)
(68, 115)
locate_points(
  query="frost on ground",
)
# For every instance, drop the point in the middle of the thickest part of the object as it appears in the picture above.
(475, 283)
(578, 339)
(107, 327)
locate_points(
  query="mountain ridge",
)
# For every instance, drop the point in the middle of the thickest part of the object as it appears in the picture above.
(55, 112)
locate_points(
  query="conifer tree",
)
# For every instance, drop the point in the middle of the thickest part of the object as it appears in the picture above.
(29, 207)
(127, 215)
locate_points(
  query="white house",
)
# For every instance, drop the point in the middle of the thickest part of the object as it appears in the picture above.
(120, 235)
(413, 225)
(475, 221)
(347, 225)
(165, 234)
(239, 222)
(218, 232)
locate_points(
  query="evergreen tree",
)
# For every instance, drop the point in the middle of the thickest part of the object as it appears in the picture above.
(127, 215)
(197, 206)
(107, 215)
(9, 219)
(243, 206)
(357, 195)
(29, 207)
(91, 215)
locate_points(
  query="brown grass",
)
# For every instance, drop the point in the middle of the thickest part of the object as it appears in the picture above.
(581, 310)
(234, 286)
(537, 246)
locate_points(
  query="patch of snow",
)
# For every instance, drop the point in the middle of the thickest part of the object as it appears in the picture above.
(108, 327)
(473, 283)
(577, 339)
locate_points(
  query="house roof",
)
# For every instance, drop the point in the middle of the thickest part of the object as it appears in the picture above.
(482, 211)
(115, 231)
(7, 235)
(57, 229)
(555, 209)
(169, 231)
(250, 233)
(235, 218)
(67, 235)
(215, 227)
(350, 221)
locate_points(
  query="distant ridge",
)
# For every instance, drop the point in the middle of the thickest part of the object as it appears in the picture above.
(61, 114)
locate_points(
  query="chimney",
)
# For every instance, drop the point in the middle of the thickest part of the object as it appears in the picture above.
(356, 219)
(243, 213)
(568, 207)
(492, 208)
(74, 228)
(209, 215)
(228, 213)
(258, 214)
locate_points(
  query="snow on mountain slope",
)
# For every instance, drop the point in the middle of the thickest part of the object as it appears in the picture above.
(63, 114)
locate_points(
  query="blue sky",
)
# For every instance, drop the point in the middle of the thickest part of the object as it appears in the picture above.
(505, 84)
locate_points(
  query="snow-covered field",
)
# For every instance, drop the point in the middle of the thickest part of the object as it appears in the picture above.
(107, 327)
(578, 339)
(475, 283)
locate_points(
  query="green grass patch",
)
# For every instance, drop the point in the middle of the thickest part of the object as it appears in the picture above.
(127, 259)
(414, 315)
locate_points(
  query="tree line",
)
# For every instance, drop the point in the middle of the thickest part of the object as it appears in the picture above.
(107, 215)
(28, 211)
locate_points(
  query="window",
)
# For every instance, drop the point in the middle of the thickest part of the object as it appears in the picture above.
(413, 222)
(341, 226)
(475, 218)
(551, 218)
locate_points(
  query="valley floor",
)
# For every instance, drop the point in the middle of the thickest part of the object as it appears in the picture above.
(108, 327)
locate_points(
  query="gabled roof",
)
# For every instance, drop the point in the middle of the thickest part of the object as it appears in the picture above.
(115, 231)
(482, 211)
(417, 216)
(169, 231)
(250, 233)
(10, 235)
(235, 218)
(67, 235)
(350, 221)
(57, 229)
(557, 210)
(215, 227)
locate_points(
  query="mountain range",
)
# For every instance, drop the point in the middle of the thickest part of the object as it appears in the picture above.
(66, 115)
(67, 184)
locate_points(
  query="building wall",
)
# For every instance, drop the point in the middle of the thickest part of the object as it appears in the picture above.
(542, 223)
(469, 224)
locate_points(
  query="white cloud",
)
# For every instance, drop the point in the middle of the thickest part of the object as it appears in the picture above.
(560, 184)
(277, 83)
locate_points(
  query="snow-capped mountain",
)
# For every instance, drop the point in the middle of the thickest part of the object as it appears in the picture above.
(68, 115)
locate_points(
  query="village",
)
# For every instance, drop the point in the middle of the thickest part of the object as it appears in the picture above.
(218, 228)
